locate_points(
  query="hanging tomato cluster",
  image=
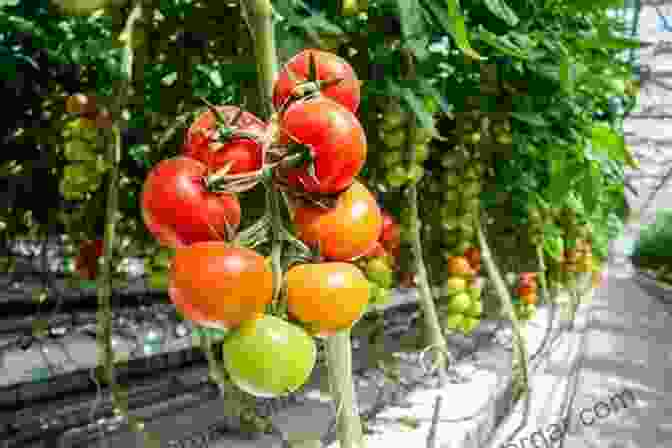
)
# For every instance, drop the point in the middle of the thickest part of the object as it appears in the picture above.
(525, 297)
(311, 150)
(83, 174)
(464, 308)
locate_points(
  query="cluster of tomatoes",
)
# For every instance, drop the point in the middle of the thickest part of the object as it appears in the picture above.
(579, 258)
(86, 161)
(464, 308)
(311, 149)
(525, 297)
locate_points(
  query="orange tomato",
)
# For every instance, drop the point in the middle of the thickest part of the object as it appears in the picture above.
(459, 266)
(346, 232)
(326, 297)
(219, 285)
(473, 255)
(529, 299)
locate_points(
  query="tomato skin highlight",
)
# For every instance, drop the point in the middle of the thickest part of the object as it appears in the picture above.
(219, 285)
(391, 234)
(329, 66)
(268, 357)
(348, 231)
(246, 154)
(178, 210)
(327, 297)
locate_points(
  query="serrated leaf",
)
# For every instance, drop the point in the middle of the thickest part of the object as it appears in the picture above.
(500, 9)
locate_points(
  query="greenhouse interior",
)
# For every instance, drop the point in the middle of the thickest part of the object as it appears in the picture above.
(469, 247)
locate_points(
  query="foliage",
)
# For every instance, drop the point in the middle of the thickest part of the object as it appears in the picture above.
(654, 246)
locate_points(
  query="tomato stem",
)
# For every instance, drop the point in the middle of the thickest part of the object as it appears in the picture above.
(339, 368)
(520, 352)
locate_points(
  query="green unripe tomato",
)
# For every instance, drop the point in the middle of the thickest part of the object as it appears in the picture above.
(421, 152)
(452, 197)
(394, 117)
(423, 135)
(81, 7)
(392, 158)
(476, 309)
(469, 324)
(504, 139)
(397, 176)
(453, 321)
(450, 238)
(395, 138)
(451, 179)
(268, 356)
(77, 150)
(459, 303)
(415, 173)
(471, 190)
(379, 272)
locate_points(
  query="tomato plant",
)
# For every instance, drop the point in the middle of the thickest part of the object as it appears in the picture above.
(345, 232)
(268, 357)
(216, 284)
(230, 142)
(334, 142)
(326, 297)
(296, 79)
(178, 209)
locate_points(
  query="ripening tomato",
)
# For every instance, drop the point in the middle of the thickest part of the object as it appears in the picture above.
(178, 209)
(86, 262)
(269, 357)
(459, 267)
(529, 299)
(336, 142)
(345, 232)
(81, 104)
(326, 297)
(328, 66)
(473, 254)
(526, 290)
(219, 285)
(391, 234)
(209, 144)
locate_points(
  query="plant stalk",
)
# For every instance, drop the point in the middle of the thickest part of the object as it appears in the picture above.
(104, 284)
(520, 354)
(339, 368)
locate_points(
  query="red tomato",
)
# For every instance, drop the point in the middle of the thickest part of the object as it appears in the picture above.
(219, 285)
(328, 66)
(473, 254)
(244, 153)
(346, 232)
(391, 235)
(86, 262)
(336, 140)
(178, 210)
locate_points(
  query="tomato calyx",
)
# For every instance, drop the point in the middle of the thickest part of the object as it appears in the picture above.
(309, 86)
(226, 131)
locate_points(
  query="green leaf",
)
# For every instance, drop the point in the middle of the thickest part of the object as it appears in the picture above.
(410, 16)
(501, 43)
(593, 5)
(500, 9)
(561, 181)
(531, 118)
(591, 188)
(554, 246)
(426, 119)
(604, 139)
(459, 29)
